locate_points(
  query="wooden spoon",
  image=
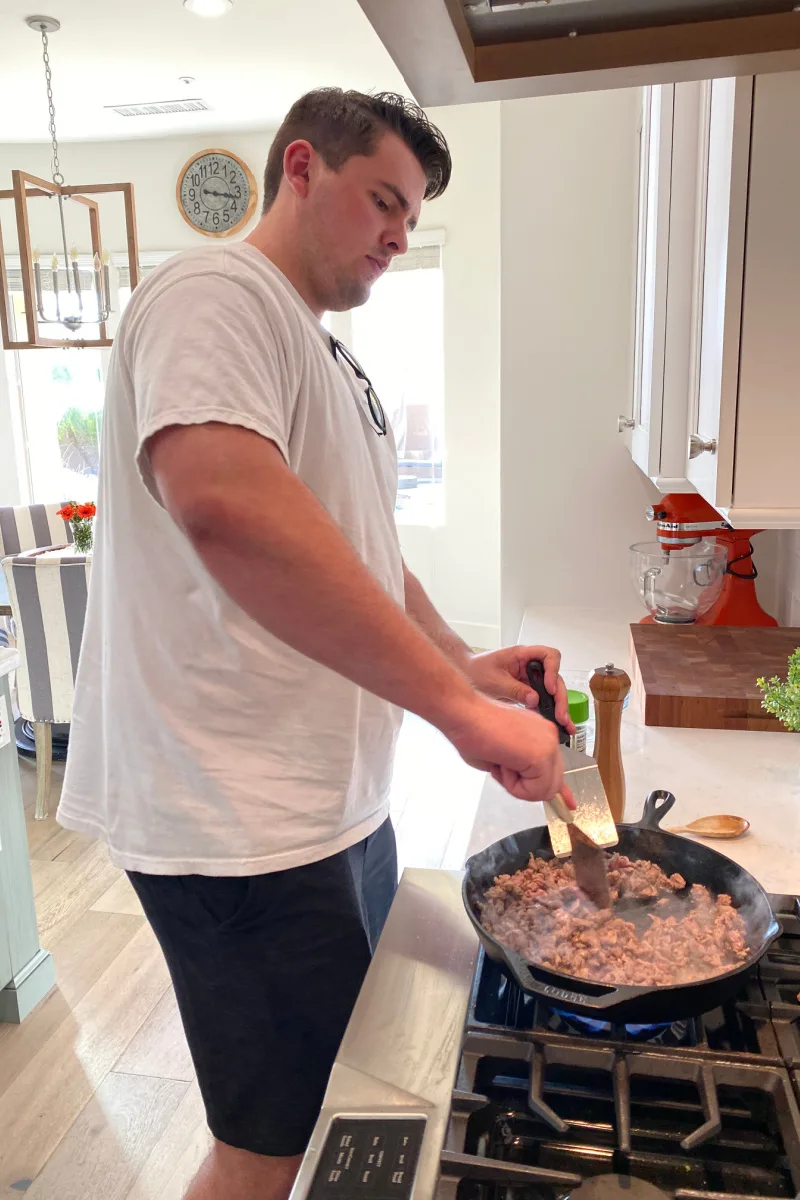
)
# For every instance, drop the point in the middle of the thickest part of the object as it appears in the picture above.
(718, 826)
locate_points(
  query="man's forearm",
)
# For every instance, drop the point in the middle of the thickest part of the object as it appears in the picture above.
(280, 556)
(422, 612)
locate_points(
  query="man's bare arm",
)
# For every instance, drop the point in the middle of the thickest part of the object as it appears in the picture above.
(266, 539)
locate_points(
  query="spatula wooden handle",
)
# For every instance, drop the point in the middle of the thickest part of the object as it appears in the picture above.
(609, 686)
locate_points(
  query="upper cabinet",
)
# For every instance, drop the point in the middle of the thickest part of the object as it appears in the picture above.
(716, 396)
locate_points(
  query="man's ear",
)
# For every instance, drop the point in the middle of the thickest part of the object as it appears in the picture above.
(297, 162)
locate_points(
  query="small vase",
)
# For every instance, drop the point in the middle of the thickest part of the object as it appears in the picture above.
(82, 534)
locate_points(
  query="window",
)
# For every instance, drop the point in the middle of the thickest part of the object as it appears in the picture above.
(58, 395)
(398, 337)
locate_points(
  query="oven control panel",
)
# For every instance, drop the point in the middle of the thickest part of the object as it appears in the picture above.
(368, 1158)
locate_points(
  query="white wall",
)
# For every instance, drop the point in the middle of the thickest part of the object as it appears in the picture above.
(152, 165)
(572, 500)
(459, 563)
(777, 557)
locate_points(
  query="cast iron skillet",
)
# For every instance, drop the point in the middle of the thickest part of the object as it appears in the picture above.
(697, 864)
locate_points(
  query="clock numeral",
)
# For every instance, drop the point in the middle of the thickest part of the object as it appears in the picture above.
(192, 194)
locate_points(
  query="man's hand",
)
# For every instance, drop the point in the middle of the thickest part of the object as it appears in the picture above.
(519, 749)
(501, 674)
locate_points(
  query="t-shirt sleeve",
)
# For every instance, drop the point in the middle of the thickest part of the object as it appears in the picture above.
(207, 349)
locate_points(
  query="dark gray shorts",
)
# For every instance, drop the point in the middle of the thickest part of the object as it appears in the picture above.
(266, 970)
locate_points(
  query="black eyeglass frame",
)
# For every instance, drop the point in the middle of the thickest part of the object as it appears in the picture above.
(376, 411)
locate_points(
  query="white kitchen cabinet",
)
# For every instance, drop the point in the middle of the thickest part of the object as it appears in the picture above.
(717, 370)
(748, 394)
(656, 429)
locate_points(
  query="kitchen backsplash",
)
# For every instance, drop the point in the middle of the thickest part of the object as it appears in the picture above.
(787, 577)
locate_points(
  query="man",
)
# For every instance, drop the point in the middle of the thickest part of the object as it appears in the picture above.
(253, 635)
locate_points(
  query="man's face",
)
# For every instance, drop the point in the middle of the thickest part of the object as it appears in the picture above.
(357, 218)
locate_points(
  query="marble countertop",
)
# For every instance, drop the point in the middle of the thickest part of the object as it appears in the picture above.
(751, 775)
(9, 660)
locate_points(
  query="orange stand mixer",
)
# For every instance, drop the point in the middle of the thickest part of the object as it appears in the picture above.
(683, 520)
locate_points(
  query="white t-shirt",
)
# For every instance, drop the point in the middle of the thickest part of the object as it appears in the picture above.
(200, 743)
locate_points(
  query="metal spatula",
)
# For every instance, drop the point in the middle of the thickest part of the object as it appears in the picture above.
(586, 832)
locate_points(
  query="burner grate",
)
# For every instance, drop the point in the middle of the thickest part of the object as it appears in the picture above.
(779, 975)
(704, 1109)
(754, 1149)
(739, 1029)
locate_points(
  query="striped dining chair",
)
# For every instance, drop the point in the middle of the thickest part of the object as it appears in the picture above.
(31, 526)
(47, 590)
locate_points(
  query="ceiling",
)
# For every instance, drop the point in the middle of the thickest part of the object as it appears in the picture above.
(249, 66)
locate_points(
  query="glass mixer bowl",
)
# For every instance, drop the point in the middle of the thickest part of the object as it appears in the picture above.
(678, 586)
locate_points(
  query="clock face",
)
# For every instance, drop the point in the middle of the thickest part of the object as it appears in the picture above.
(216, 193)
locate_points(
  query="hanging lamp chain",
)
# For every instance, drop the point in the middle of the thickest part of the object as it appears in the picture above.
(48, 74)
(58, 178)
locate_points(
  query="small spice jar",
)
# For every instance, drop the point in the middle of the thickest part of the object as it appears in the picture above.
(579, 710)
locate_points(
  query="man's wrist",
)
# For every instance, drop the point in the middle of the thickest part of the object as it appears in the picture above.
(459, 653)
(456, 710)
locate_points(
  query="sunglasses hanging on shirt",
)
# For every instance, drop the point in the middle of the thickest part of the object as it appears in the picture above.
(373, 409)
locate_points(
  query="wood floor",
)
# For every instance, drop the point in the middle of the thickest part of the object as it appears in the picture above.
(98, 1099)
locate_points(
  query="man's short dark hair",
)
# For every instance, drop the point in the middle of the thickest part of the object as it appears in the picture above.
(339, 124)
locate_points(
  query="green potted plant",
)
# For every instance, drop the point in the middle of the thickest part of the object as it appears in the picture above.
(783, 699)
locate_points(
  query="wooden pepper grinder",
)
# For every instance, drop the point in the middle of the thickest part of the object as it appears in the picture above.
(610, 685)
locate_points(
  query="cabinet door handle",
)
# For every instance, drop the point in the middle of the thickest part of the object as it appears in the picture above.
(624, 423)
(698, 446)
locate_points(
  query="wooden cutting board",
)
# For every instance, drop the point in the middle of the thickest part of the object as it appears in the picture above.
(704, 676)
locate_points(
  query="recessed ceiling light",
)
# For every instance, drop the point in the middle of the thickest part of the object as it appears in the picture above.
(208, 8)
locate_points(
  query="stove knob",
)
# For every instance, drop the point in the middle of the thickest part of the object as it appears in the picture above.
(624, 423)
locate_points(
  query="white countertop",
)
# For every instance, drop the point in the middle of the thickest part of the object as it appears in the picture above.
(747, 774)
(9, 660)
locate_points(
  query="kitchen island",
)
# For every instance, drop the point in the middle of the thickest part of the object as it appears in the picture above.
(748, 774)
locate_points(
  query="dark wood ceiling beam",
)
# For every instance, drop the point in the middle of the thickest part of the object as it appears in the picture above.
(687, 42)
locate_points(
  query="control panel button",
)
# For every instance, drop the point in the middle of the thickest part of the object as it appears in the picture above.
(368, 1159)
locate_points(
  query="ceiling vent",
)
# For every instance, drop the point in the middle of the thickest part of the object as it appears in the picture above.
(157, 108)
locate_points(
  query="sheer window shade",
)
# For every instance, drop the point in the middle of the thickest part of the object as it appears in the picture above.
(424, 251)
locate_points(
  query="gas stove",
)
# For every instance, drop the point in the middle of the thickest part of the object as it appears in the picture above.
(452, 1083)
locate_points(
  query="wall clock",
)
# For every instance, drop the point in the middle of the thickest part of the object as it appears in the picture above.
(216, 193)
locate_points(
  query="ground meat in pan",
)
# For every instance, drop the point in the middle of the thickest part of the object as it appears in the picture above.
(679, 935)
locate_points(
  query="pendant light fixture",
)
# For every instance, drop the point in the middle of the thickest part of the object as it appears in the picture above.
(208, 8)
(55, 301)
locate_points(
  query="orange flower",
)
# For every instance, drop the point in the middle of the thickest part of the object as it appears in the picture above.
(87, 511)
(67, 512)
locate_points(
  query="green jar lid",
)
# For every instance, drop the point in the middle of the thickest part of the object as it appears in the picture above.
(578, 707)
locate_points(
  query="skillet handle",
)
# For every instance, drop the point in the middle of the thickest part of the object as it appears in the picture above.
(547, 704)
(656, 807)
(611, 996)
